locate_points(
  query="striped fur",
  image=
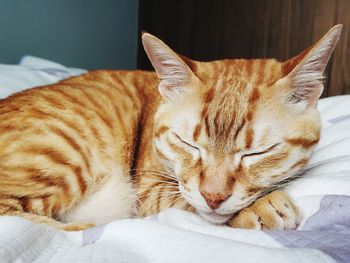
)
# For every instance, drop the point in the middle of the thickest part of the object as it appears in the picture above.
(107, 145)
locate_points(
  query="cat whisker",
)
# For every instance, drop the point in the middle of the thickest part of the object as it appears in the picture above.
(142, 193)
(170, 202)
(157, 190)
(159, 181)
(157, 193)
(168, 188)
(157, 185)
(165, 195)
(158, 172)
(153, 175)
(174, 202)
(156, 176)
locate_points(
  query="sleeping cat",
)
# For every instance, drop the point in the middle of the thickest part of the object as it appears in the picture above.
(216, 138)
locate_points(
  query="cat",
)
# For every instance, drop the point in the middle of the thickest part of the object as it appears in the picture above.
(216, 138)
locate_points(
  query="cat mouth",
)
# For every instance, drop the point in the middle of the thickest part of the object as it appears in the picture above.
(215, 218)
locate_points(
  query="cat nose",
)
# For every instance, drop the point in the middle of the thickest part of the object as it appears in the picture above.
(214, 200)
(213, 204)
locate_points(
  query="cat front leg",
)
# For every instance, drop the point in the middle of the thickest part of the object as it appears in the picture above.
(274, 211)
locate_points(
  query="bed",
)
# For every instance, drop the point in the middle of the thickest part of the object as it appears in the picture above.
(322, 192)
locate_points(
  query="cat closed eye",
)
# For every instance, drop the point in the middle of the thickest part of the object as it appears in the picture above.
(259, 152)
(184, 142)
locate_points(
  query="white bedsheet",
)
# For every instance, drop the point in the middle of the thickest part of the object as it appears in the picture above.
(323, 194)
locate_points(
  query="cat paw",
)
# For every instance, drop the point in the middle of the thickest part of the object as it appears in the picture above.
(273, 211)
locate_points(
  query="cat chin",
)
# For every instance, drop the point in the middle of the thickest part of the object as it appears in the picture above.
(215, 218)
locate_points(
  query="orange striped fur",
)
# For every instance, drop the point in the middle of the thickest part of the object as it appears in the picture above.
(210, 137)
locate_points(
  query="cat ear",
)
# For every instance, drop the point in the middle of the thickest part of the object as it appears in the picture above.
(173, 73)
(304, 73)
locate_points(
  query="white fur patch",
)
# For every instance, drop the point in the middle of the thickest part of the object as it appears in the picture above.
(115, 199)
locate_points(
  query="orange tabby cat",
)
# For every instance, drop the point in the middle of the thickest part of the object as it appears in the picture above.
(211, 137)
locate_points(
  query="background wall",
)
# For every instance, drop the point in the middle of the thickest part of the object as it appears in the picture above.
(79, 33)
(215, 29)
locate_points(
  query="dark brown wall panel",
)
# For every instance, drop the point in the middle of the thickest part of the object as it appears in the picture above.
(208, 29)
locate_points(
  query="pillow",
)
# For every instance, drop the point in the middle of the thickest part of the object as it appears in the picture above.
(31, 72)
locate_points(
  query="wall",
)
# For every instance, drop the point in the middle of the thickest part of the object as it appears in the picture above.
(81, 33)
(209, 29)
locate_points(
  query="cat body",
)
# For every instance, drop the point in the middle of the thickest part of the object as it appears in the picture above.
(211, 137)
(75, 166)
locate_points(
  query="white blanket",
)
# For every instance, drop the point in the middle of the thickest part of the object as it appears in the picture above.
(323, 194)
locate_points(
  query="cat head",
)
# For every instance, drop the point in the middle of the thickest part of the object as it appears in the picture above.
(230, 130)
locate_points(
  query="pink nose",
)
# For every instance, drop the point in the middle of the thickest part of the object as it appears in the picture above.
(214, 200)
(214, 204)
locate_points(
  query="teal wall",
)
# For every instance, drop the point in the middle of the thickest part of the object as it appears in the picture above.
(78, 33)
